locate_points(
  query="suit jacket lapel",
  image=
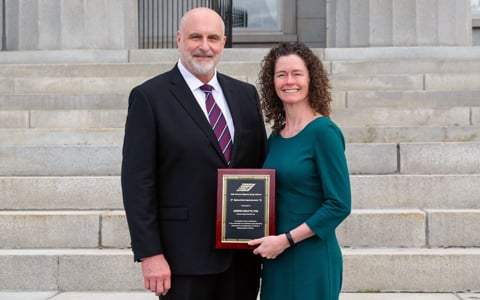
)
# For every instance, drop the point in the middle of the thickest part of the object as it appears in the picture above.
(185, 97)
(231, 95)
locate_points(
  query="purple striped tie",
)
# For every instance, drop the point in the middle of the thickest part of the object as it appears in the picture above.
(218, 123)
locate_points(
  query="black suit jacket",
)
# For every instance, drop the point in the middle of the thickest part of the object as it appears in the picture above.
(169, 169)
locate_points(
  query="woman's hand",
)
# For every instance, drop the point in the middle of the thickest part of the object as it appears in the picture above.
(270, 246)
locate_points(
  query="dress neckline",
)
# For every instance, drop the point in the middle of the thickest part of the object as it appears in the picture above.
(303, 129)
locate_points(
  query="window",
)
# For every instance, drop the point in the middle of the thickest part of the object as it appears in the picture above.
(257, 15)
(476, 13)
(476, 6)
(256, 21)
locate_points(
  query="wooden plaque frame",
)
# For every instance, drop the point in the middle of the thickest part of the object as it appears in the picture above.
(245, 206)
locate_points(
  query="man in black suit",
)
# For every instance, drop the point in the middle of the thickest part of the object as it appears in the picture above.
(169, 170)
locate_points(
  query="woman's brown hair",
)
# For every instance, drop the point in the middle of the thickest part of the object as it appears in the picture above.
(319, 90)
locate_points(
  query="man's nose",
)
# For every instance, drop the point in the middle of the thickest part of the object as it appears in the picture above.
(204, 44)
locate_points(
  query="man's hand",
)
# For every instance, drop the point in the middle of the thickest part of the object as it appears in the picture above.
(156, 274)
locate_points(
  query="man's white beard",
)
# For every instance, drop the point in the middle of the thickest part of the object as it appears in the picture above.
(203, 68)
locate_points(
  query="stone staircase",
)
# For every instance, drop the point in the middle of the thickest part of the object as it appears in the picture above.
(411, 117)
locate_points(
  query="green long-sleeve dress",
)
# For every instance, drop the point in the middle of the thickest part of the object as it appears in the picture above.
(313, 186)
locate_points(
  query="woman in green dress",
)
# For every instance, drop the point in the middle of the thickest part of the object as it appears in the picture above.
(304, 260)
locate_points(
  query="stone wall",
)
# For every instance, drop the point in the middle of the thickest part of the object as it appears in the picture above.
(376, 23)
(71, 24)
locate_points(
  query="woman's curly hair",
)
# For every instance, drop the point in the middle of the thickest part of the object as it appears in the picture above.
(319, 90)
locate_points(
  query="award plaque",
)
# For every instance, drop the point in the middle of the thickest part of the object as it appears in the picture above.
(245, 206)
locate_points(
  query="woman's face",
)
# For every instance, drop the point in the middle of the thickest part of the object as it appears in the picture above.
(291, 79)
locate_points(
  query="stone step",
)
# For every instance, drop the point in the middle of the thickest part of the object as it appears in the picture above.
(69, 269)
(402, 53)
(64, 229)
(61, 136)
(410, 99)
(63, 102)
(122, 85)
(414, 158)
(439, 158)
(88, 192)
(76, 118)
(372, 158)
(22, 71)
(411, 269)
(59, 160)
(147, 295)
(401, 134)
(385, 82)
(55, 85)
(229, 54)
(99, 56)
(389, 269)
(411, 228)
(416, 191)
(109, 70)
(379, 116)
(359, 134)
(400, 66)
(353, 99)
(235, 54)
(403, 228)
(61, 193)
(115, 118)
(71, 85)
(64, 56)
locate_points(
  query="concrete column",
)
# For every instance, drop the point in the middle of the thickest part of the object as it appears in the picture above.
(383, 23)
(71, 24)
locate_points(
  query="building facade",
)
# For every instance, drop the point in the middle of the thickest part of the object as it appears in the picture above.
(120, 24)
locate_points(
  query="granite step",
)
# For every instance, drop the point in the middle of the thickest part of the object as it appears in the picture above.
(147, 295)
(72, 118)
(365, 228)
(61, 136)
(426, 192)
(131, 69)
(385, 82)
(355, 134)
(63, 102)
(115, 118)
(402, 134)
(402, 53)
(402, 66)
(110, 84)
(107, 56)
(410, 99)
(379, 116)
(389, 269)
(372, 158)
(352, 99)
(411, 269)
(410, 228)
(235, 54)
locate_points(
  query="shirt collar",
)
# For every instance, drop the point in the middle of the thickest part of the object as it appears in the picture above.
(193, 82)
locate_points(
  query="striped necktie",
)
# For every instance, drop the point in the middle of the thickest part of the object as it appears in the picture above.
(218, 122)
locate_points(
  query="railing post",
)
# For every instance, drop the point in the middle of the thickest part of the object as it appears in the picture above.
(224, 9)
(4, 31)
(228, 20)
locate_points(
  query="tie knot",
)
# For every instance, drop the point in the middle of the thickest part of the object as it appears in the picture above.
(206, 88)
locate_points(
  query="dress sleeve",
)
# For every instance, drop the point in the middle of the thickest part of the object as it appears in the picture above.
(331, 164)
